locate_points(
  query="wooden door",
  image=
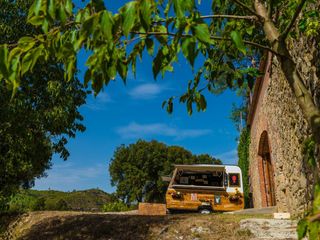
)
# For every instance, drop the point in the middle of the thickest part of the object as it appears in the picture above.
(269, 181)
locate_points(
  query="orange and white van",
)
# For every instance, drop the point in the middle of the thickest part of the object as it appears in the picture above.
(205, 188)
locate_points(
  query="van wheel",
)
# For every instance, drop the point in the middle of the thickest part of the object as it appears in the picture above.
(205, 211)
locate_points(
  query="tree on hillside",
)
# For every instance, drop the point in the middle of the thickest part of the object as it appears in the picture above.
(136, 169)
(37, 121)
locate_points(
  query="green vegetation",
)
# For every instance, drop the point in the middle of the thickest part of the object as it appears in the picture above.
(43, 114)
(136, 169)
(117, 206)
(34, 200)
(310, 225)
(233, 31)
(243, 162)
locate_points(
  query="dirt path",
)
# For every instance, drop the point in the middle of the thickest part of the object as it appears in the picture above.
(80, 225)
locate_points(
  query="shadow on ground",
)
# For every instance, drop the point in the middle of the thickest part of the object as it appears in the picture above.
(96, 226)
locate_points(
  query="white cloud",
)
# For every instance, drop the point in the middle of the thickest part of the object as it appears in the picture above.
(136, 130)
(229, 157)
(146, 91)
(67, 176)
(99, 102)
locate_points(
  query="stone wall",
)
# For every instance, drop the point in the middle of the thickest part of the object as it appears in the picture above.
(277, 112)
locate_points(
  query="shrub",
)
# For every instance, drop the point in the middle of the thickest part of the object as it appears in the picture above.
(116, 207)
(39, 204)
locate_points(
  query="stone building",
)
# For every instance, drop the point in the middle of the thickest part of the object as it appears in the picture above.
(278, 173)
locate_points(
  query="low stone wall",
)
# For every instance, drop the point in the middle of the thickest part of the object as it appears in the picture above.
(152, 209)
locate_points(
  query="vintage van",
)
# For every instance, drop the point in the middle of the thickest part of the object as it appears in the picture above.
(205, 188)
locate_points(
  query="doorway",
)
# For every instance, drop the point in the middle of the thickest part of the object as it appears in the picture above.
(266, 172)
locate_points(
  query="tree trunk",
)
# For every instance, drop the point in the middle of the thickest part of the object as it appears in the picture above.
(310, 111)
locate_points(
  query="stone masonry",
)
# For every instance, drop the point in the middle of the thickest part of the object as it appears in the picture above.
(278, 130)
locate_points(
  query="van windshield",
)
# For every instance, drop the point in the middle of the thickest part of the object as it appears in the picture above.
(197, 178)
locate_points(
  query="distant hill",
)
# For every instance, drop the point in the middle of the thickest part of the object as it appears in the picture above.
(86, 200)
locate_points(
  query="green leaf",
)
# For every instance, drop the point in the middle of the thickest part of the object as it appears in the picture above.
(70, 68)
(314, 230)
(201, 31)
(189, 50)
(302, 228)
(203, 103)
(146, 11)
(122, 69)
(45, 26)
(150, 46)
(249, 30)
(189, 106)
(89, 25)
(161, 38)
(4, 59)
(106, 23)
(36, 20)
(170, 105)
(62, 14)
(52, 9)
(129, 14)
(26, 63)
(237, 39)
(36, 6)
(164, 103)
(69, 7)
(36, 53)
(157, 63)
(87, 77)
(25, 40)
(181, 6)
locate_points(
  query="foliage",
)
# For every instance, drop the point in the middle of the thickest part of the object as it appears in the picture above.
(310, 225)
(36, 123)
(117, 206)
(33, 200)
(164, 29)
(243, 162)
(136, 169)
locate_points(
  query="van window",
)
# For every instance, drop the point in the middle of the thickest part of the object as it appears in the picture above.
(234, 180)
(214, 178)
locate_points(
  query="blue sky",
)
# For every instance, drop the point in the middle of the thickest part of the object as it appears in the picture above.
(122, 114)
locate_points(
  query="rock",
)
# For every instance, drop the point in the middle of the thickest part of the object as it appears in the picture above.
(270, 228)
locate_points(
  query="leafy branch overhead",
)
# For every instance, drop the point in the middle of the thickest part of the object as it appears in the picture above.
(224, 42)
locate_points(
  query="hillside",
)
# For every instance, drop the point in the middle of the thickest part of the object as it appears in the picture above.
(87, 200)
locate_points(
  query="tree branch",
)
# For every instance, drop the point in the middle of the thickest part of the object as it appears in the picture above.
(293, 20)
(253, 17)
(212, 37)
(249, 17)
(248, 9)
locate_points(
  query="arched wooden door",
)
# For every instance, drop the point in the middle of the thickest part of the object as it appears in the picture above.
(266, 172)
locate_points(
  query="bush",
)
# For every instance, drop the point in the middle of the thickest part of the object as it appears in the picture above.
(61, 205)
(39, 204)
(22, 203)
(116, 207)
